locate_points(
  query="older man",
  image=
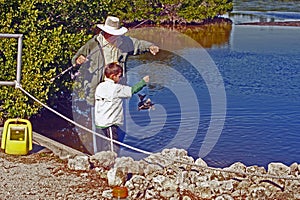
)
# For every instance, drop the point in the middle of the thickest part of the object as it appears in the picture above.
(110, 45)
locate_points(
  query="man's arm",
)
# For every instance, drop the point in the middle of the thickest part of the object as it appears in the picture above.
(135, 46)
(81, 55)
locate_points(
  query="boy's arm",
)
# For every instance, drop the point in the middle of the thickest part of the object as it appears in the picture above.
(137, 87)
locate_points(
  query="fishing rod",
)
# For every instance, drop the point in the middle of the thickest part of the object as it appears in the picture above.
(75, 65)
(86, 59)
(63, 72)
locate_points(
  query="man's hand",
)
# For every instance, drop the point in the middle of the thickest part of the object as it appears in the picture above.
(146, 79)
(81, 59)
(154, 49)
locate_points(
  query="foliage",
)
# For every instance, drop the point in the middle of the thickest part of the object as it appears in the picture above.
(170, 11)
(53, 30)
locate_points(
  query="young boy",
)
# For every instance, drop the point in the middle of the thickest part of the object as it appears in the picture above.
(108, 104)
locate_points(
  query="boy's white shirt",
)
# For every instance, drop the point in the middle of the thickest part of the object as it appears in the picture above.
(108, 105)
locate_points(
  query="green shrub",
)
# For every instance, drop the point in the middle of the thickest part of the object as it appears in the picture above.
(52, 31)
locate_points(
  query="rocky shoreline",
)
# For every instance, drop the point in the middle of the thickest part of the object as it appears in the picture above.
(170, 174)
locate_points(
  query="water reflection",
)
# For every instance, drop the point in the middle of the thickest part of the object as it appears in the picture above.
(207, 36)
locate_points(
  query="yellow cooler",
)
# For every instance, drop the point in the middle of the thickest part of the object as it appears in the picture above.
(17, 137)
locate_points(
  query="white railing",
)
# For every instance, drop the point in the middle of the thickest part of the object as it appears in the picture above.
(19, 58)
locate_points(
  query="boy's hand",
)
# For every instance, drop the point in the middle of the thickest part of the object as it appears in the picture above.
(146, 79)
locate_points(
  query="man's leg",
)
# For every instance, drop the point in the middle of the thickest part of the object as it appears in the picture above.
(95, 140)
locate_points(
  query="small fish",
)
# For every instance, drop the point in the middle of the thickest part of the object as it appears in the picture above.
(145, 104)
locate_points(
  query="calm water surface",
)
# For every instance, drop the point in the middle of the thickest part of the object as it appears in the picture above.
(266, 5)
(261, 71)
(260, 67)
(264, 11)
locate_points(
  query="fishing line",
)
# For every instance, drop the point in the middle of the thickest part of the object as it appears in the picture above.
(76, 65)
(87, 59)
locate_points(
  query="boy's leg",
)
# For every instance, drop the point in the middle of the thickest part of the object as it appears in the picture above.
(102, 144)
(112, 133)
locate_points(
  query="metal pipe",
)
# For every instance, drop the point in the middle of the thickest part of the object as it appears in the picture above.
(7, 83)
(8, 35)
(19, 59)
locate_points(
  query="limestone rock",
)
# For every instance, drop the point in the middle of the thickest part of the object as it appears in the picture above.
(103, 159)
(278, 169)
(79, 163)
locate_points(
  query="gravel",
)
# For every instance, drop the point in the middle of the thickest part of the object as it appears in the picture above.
(44, 176)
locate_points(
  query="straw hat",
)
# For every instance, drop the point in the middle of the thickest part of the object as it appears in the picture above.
(112, 26)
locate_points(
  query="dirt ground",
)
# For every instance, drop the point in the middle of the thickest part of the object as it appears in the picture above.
(44, 176)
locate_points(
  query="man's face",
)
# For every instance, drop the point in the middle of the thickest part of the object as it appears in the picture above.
(106, 35)
(110, 37)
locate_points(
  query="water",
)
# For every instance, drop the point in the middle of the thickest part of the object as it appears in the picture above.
(261, 75)
(266, 5)
(235, 100)
(264, 11)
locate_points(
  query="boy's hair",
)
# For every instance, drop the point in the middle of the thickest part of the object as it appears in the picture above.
(112, 69)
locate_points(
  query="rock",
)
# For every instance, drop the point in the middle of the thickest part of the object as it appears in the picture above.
(257, 172)
(186, 198)
(224, 197)
(237, 167)
(200, 162)
(79, 163)
(149, 169)
(294, 169)
(167, 194)
(258, 193)
(116, 177)
(205, 191)
(107, 194)
(128, 165)
(103, 159)
(278, 169)
(151, 194)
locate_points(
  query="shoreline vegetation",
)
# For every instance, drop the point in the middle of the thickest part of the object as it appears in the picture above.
(214, 20)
